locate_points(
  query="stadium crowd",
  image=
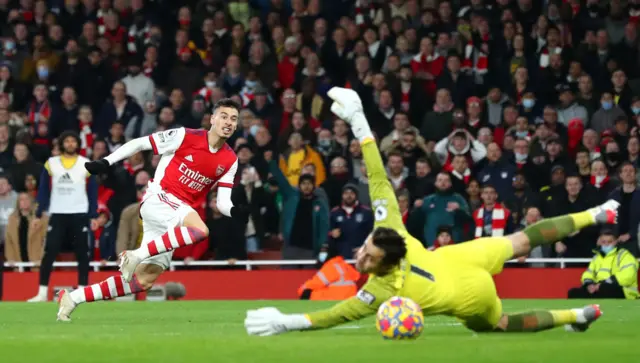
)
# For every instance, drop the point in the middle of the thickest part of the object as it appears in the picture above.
(490, 114)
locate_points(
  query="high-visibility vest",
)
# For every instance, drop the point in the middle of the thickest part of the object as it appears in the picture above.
(336, 280)
(619, 263)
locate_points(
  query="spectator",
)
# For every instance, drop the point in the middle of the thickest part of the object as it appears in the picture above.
(577, 198)
(336, 181)
(24, 242)
(569, 108)
(251, 193)
(22, 166)
(444, 207)
(129, 234)
(628, 196)
(296, 157)
(497, 171)
(492, 219)
(8, 202)
(121, 108)
(139, 86)
(459, 142)
(443, 238)
(604, 117)
(305, 217)
(612, 273)
(350, 223)
(602, 184)
(521, 199)
(397, 171)
(460, 174)
(421, 183)
(300, 125)
(229, 243)
(437, 124)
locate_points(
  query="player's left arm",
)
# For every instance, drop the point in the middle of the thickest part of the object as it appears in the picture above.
(225, 185)
(365, 303)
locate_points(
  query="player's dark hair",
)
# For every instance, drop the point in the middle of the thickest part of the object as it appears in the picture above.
(226, 102)
(67, 134)
(392, 243)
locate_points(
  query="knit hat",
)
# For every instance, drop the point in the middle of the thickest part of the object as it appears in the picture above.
(352, 187)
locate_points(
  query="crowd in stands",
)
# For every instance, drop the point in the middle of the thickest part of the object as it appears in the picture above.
(490, 114)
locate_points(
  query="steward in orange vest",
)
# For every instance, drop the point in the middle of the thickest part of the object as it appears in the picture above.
(336, 280)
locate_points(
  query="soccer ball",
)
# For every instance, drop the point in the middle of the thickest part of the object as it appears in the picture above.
(400, 318)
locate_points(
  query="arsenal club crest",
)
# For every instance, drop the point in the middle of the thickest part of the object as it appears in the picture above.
(219, 170)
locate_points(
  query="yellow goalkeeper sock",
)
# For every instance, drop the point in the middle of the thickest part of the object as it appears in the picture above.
(583, 219)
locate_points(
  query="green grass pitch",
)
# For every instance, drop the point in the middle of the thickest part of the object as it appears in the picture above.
(158, 332)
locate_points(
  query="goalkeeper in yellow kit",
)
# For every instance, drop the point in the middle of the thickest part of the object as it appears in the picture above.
(453, 280)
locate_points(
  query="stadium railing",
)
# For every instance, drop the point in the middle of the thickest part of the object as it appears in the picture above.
(249, 264)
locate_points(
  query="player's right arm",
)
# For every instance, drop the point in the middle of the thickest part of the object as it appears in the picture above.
(161, 143)
(386, 211)
(365, 303)
(270, 321)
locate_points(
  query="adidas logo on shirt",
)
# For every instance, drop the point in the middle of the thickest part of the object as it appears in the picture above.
(189, 158)
(65, 178)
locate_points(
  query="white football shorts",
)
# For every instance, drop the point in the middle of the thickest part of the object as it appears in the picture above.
(161, 212)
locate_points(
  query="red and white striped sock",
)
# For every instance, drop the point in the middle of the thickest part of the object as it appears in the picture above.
(174, 238)
(113, 287)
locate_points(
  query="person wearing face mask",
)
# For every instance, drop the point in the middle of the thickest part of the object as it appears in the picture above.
(327, 147)
(612, 273)
(604, 118)
(530, 108)
(140, 87)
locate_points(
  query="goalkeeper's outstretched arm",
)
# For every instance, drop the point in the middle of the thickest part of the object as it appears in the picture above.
(364, 304)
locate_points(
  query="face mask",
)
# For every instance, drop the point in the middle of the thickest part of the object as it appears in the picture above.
(250, 84)
(254, 130)
(324, 143)
(521, 157)
(606, 105)
(522, 134)
(607, 249)
(635, 110)
(322, 256)
(185, 22)
(9, 46)
(43, 72)
(528, 103)
(210, 84)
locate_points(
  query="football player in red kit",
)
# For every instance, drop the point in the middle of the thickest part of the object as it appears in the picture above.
(192, 162)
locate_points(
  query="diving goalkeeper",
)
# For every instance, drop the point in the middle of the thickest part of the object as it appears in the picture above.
(454, 280)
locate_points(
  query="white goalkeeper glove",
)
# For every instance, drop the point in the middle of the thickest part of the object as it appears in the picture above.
(348, 106)
(270, 321)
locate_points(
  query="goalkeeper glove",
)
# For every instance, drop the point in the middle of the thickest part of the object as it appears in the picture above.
(97, 167)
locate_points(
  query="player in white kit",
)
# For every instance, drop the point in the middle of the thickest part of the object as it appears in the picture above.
(192, 162)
